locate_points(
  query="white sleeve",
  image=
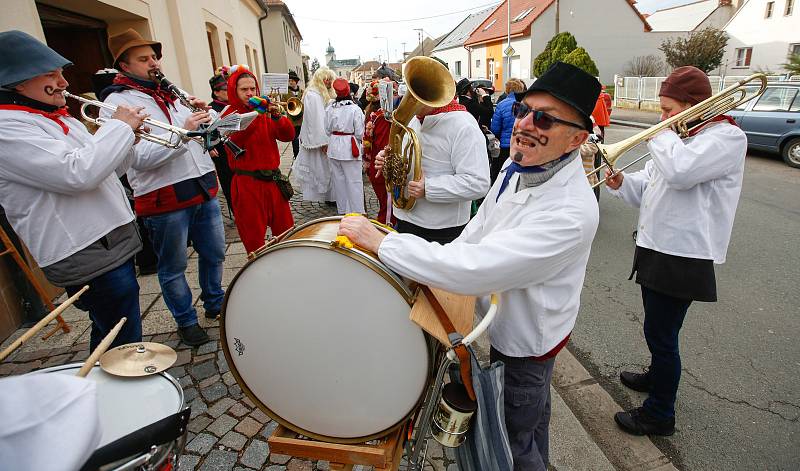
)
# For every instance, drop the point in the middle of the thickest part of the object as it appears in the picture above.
(358, 123)
(510, 258)
(470, 179)
(711, 154)
(312, 132)
(633, 186)
(32, 157)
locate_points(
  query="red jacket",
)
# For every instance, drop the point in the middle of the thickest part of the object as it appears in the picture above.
(258, 140)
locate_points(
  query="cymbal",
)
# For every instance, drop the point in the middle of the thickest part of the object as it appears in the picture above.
(138, 359)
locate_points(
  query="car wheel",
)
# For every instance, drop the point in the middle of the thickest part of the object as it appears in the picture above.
(791, 153)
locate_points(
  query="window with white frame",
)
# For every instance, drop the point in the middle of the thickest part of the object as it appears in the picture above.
(794, 49)
(743, 56)
(457, 69)
(522, 15)
(477, 62)
(490, 24)
(770, 7)
(789, 7)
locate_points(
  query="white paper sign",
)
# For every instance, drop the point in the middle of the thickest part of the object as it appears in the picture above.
(386, 94)
(274, 83)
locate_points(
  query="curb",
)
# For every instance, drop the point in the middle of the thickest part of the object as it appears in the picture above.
(595, 409)
(631, 124)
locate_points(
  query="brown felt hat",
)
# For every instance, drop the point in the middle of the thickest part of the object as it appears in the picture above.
(687, 84)
(119, 43)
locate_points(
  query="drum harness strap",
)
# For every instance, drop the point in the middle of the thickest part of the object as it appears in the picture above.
(455, 340)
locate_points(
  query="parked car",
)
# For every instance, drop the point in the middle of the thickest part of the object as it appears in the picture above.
(772, 121)
(483, 83)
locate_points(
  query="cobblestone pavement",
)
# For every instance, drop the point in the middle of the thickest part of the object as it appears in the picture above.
(226, 430)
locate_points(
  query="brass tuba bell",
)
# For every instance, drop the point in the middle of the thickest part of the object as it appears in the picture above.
(429, 84)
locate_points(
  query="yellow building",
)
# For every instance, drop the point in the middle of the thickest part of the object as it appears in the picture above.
(196, 35)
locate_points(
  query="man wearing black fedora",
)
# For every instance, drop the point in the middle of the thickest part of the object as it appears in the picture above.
(529, 243)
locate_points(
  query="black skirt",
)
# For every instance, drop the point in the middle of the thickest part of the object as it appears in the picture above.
(680, 277)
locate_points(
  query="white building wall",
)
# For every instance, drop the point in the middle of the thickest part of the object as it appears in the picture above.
(612, 35)
(477, 53)
(453, 55)
(770, 38)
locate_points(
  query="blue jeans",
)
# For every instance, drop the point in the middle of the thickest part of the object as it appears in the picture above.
(169, 232)
(526, 391)
(112, 296)
(663, 318)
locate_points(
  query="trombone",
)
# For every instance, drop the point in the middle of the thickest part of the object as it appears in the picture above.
(683, 123)
(170, 141)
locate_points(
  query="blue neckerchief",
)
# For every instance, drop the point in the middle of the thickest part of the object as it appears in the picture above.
(517, 168)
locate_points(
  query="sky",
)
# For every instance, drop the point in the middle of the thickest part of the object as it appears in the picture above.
(353, 25)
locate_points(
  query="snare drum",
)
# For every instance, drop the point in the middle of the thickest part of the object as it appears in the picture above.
(126, 405)
(319, 337)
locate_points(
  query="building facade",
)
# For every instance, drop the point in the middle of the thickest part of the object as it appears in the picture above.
(762, 34)
(341, 67)
(451, 48)
(693, 16)
(196, 35)
(282, 40)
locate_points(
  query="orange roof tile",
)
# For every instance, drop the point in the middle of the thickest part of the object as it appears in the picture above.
(494, 26)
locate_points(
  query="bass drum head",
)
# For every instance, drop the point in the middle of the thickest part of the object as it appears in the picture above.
(323, 343)
(126, 405)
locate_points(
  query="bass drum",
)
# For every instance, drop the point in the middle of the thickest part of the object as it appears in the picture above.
(319, 337)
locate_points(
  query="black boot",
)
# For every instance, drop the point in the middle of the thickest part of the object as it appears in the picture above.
(636, 381)
(638, 422)
(193, 335)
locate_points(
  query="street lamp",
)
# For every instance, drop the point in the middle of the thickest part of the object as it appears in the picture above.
(387, 46)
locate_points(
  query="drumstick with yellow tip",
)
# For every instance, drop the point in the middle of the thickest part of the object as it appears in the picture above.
(101, 349)
(40, 325)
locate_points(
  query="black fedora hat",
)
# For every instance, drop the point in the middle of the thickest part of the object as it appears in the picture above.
(571, 85)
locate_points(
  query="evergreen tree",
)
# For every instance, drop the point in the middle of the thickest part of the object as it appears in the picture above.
(580, 59)
(556, 50)
(314, 66)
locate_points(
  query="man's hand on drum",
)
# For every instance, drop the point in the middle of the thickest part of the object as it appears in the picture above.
(361, 232)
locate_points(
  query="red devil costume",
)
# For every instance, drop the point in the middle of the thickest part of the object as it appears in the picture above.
(256, 188)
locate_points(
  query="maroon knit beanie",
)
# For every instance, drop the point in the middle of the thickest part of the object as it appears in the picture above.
(687, 84)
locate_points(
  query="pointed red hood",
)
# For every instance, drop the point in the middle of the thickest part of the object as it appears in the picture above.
(234, 103)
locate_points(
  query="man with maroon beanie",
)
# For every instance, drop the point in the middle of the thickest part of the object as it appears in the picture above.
(687, 197)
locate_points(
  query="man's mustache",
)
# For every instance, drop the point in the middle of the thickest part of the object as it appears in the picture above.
(542, 140)
(50, 90)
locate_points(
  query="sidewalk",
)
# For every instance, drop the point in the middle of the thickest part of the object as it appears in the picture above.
(227, 431)
(634, 118)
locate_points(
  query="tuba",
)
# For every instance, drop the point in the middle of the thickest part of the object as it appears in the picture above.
(429, 84)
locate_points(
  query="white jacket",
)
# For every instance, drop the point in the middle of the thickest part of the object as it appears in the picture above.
(347, 119)
(312, 131)
(455, 167)
(531, 247)
(62, 192)
(687, 195)
(155, 166)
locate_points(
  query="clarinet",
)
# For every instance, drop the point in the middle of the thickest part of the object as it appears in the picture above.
(176, 92)
(184, 99)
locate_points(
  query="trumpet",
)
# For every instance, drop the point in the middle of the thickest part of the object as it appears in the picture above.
(293, 105)
(175, 137)
(683, 123)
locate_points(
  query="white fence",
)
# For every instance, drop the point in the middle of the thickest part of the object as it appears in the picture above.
(644, 90)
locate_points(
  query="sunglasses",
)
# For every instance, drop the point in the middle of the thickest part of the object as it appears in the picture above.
(541, 119)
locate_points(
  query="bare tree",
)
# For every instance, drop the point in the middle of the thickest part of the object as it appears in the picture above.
(645, 66)
(703, 49)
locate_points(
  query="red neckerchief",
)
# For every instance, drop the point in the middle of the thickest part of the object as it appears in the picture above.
(54, 115)
(452, 106)
(716, 119)
(162, 97)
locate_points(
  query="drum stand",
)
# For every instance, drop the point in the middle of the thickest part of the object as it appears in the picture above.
(384, 455)
(11, 249)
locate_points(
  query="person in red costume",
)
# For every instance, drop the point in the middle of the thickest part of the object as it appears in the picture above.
(376, 137)
(258, 201)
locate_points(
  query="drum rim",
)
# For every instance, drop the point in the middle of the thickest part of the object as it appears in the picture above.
(166, 375)
(358, 255)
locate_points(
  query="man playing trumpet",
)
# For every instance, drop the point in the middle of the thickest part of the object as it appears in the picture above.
(59, 185)
(174, 189)
(687, 197)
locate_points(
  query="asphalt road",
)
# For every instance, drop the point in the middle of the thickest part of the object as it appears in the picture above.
(739, 399)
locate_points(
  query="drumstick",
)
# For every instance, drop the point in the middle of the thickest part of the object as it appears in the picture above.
(40, 325)
(100, 350)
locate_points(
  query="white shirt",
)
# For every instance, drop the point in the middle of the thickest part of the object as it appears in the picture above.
(531, 247)
(155, 166)
(345, 118)
(61, 192)
(455, 167)
(687, 195)
(312, 131)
